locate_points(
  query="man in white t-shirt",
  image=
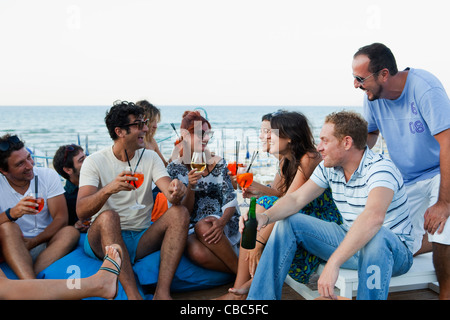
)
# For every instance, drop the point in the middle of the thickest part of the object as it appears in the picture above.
(26, 249)
(107, 193)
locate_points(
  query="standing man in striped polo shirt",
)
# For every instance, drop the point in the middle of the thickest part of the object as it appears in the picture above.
(368, 189)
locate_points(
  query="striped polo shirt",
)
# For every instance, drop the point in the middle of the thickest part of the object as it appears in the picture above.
(350, 197)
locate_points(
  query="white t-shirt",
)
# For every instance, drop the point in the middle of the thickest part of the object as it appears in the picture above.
(102, 167)
(49, 186)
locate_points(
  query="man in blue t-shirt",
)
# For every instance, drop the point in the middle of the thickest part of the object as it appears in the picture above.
(412, 111)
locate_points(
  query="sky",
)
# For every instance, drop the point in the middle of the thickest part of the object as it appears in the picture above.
(208, 52)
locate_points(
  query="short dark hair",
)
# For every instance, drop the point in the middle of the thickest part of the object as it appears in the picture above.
(13, 143)
(117, 116)
(64, 158)
(380, 57)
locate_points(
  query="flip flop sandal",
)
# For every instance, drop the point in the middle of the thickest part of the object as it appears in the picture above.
(115, 271)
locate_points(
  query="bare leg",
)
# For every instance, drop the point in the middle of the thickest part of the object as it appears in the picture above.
(15, 251)
(426, 246)
(217, 256)
(105, 230)
(441, 260)
(102, 284)
(59, 245)
(244, 276)
(168, 233)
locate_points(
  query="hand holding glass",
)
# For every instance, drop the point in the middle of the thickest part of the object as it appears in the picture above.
(136, 183)
(244, 179)
(39, 199)
(198, 163)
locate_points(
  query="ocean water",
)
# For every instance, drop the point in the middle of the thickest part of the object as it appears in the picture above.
(45, 128)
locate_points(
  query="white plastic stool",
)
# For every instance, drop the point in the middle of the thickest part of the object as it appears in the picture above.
(420, 276)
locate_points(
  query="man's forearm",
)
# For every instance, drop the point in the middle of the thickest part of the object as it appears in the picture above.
(89, 205)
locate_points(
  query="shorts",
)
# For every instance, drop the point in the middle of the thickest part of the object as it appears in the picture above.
(36, 251)
(130, 238)
(422, 195)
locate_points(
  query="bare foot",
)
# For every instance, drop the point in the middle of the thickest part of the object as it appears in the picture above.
(237, 293)
(108, 274)
(231, 296)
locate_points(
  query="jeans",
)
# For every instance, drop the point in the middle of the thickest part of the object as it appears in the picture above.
(385, 255)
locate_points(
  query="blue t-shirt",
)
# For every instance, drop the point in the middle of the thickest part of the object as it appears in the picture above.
(409, 123)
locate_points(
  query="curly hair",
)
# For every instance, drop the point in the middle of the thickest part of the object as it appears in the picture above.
(117, 116)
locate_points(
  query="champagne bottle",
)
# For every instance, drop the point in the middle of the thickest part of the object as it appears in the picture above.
(249, 233)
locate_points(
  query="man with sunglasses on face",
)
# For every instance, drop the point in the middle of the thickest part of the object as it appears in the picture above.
(67, 162)
(105, 196)
(28, 251)
(412, 111)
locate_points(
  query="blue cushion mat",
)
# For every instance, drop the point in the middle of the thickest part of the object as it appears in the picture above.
(77, 264)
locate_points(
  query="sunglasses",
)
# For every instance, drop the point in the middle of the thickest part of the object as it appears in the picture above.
(203, 133)
(139, 123)
(6, 145)
(69, 148)
(361, 80)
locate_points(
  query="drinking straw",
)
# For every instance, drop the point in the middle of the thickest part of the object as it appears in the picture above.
(237, 155)
(129, 164)
(174, 129)
(255, 153)
(36, 185)
(247, 155)
(139, 160)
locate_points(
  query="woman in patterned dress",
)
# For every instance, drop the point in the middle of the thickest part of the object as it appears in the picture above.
(214, 235)
(291, 141)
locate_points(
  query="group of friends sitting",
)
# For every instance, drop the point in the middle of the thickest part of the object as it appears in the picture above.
(336, 202)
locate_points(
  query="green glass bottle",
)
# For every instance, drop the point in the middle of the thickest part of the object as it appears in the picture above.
(249, 233)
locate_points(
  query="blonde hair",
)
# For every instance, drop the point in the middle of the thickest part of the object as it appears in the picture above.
(349, 123)
(151, 113)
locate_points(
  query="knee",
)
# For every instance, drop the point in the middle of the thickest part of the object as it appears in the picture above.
(203, 226)
(108, 217)
(382, 247)
(10, 230)
(179, 215)
(71, 233)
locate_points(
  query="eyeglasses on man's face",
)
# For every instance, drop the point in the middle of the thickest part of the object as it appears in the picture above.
(139, 123)
(6, 145)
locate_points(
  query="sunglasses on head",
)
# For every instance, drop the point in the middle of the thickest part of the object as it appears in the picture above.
(6, 145)
(69, 148)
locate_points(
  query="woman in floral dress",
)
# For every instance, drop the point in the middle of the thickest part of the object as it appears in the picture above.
(213, 240)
